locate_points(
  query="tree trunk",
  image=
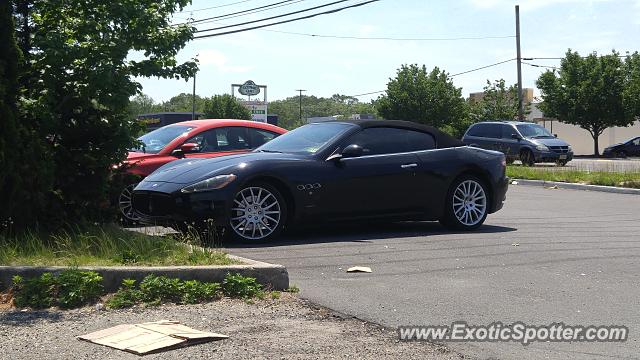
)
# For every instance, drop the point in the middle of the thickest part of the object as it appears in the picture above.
(596, 150)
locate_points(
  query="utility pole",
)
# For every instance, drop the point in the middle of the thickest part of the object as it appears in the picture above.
(519, 55)
(193, 98)
(300, 91)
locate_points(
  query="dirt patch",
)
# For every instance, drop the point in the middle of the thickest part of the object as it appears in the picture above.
(287, 328)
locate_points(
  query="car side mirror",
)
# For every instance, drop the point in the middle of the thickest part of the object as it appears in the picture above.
(352, 150)
(516, 137)
(186, 148)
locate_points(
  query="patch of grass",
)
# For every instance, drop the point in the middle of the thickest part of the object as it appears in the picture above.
(70, 289)
(628, 179)
(105, 245)
(156, 290)
(293, 289)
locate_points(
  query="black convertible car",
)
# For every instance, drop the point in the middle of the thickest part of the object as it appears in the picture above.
(330, 171)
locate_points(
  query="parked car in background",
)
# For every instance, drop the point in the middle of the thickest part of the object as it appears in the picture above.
(330, 171)
(190, 139)
(627, 148)
(527, 142)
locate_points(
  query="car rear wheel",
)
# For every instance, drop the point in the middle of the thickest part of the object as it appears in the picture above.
(128, 216)
(527, 158)
(258, 214)
(467, 204)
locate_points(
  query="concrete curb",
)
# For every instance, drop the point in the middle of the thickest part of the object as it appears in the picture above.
(273, 276)
(564, 185)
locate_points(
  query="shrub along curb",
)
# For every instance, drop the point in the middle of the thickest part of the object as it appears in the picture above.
(272, 276)
(565, 185)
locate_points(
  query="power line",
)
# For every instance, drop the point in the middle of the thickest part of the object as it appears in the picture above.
(392, 38)
(244, 12)
(540, 66)
(464, 72)
(274, 17)
(483, 67)
(216, 7)
(287, 21)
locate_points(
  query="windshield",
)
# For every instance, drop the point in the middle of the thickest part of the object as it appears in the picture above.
(533, 131)
(307, 139)
(156, 140)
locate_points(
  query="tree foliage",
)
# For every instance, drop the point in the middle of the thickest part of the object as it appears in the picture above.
(431, 98)
(498, 103)
(593, 92)
(342, 106)
(145, 104)
(225, 107)
(75, 89)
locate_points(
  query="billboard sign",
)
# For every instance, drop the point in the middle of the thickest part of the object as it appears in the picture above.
(249, 88)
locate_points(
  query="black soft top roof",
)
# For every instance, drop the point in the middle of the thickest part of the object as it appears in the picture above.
(443, 140)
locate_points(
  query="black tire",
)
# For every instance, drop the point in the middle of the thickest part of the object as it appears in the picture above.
(622, 154)
(527, 157)
(263, 213)
(452, 221)
(561, 163)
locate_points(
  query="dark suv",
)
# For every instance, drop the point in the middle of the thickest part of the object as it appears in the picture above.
(528, 142)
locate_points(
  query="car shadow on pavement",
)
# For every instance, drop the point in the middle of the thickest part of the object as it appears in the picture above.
(22, 318)
(364, 232)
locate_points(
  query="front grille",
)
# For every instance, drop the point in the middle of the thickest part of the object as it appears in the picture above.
(153, 204)
(559, 149)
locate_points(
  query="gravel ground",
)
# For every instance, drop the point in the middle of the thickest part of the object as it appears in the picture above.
(287, 328)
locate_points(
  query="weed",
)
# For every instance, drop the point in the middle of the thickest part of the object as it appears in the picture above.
(126, 296)
(238, 286)
(293, 289)
(70, 289)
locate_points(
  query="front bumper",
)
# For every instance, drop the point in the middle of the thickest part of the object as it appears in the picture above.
(552, 156)
(163, 208)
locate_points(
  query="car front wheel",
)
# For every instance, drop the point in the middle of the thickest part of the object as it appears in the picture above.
(467, 204)
(128, 216)
(258, 213)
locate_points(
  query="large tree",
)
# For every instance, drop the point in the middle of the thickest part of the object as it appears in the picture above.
(427, 97)
(593, 92)
(81, 62)
(225, 107)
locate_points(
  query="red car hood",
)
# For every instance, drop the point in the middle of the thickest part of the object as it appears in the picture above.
(138, 156)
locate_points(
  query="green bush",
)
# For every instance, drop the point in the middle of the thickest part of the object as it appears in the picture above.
(157, 289)
(238, 286)
(194, 292)
(70, 289)
(126, 296)
(77, 288)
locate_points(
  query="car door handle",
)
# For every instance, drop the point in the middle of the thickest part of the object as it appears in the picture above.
(408, 166)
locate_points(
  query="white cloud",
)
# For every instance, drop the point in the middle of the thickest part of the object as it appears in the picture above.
(220, 62)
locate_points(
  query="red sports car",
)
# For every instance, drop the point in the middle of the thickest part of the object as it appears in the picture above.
(197, 139)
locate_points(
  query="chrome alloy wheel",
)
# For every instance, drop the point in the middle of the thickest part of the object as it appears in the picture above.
(469, 202)
(256, 213)
(125, 205)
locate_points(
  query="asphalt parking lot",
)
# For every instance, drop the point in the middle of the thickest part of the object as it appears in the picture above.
(549, 256)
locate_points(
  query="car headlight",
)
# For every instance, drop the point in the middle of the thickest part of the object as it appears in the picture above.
(214, 183)
(569, 148)
(542, 147)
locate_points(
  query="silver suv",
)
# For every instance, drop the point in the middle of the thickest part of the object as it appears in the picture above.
(528, 142)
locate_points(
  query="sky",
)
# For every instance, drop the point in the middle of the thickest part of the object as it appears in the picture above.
(323, 66)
